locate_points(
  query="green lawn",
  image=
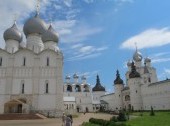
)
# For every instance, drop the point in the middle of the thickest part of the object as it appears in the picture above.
(160, 119)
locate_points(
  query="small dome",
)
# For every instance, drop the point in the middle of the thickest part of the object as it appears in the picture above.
(83, 77)
(129, 63)
(13, 33)
(67, 77)
(50, 35)
(75, 76)
(137, 56)
(147, 59)
(34, 25)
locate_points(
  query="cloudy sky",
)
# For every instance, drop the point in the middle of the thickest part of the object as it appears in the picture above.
(99, 36)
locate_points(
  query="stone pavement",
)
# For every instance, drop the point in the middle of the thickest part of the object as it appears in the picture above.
(54, 122)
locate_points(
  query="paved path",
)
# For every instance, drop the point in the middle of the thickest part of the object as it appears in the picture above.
(53, 122)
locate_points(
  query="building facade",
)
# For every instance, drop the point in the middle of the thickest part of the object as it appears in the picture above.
(31, 76)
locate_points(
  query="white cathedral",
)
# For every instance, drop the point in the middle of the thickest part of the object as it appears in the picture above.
(31, 78)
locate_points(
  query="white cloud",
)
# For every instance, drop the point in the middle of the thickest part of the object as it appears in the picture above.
(160, 57)
(149, 38)
(80, 34)
(81, 52)
(68, 3)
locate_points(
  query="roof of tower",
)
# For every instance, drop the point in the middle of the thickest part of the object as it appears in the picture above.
(137, 56)
(13, 33)
(133, 73)
(50, 35)
(118, 80)
(83, 77)
(34, 25)
(147, 59)
(67, 77)
(98, 86)
(75, 75)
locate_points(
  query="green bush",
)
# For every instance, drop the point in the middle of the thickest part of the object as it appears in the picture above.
(152, 113)
(114, 118)
(121, 116)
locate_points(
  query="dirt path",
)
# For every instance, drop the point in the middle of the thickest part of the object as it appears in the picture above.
(54, 122)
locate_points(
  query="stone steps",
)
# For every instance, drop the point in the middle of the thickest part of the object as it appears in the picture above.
(20, 116)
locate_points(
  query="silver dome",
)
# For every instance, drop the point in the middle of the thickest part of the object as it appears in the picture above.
(83, 77)
(129, 63)
(67, 77)
(13, 33)
(147, 59)
(75, 76)
(50, 35)
(137, 56)
(34, 25)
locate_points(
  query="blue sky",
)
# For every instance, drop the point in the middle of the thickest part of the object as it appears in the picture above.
(98, 36)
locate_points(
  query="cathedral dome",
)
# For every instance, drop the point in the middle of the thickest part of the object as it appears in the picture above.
(34, 25)
(50, 35)
(137, 56)
(13, 33)
(118, 80)
(147, 59)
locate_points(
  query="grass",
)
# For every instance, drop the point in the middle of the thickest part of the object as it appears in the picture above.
(160, 119)
(89, 124)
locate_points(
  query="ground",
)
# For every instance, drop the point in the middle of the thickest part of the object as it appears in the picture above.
(54, 122)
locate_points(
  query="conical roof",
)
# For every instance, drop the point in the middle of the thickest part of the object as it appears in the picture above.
(98, 86)
(118, 80)
(133, 73)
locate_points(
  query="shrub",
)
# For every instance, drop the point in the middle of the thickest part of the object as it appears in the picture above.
(121, 116)
(152, 113)
(114, 118)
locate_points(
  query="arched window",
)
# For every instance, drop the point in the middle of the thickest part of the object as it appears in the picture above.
(127, 98)
(24, 61)
(46, 87)
(0, 61)
(22, 87)
(48, 61)
(69, 88)
(78, 88)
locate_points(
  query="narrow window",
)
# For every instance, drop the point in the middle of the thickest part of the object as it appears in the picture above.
(24, 61)
(22, 89)
(46, 88)
(48, 60)
(0, 61)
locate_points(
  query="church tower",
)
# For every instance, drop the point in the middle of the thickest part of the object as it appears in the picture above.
(118, 83)
(135, 88)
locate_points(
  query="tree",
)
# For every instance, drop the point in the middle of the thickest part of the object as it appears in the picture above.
(152, 113)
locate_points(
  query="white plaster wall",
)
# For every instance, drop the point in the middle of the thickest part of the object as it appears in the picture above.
(47, 102)
(11, 46)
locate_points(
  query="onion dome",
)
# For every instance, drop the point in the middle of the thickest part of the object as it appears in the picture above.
(133, 73)
(147, 59)
(118, 80)
(13, 33)
(137, 56)
(67, 77)
(50, 35)
(75, 76)
(83, 77)
(129, 63)
(98, 86)
(34, 25)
